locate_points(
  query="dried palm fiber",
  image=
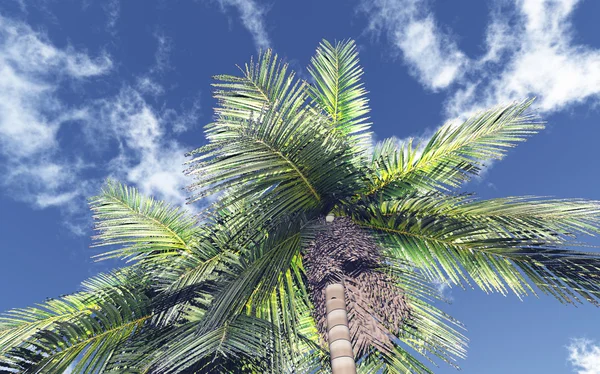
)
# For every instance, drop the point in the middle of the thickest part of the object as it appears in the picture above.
(376, 306)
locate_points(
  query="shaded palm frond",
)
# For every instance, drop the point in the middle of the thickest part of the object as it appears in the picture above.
(338, 90)
(144, 226)
(453, 154)
(237, 343)
(19, 325)
(289, 310)
(191, 281)
(300, 164)
(261, 271)
(84, 329)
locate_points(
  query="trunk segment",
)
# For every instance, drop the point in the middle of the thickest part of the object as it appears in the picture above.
(338, 333)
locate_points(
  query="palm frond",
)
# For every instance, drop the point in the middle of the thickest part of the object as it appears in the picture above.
(568, 217)
(85, 327)
(259, 274)
(302, 163)
(497, 244)
(289, 310)
(429, 331)
(338, 90)
(267, 143)
(242, 339)
(143, 226)
(266, 84)
(453, 154)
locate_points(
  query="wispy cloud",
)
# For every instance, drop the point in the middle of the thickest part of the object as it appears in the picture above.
(530, 52)
(584, 356)
(252, 16)
(38, 167)
(432, 56)
(113, 12)
(444, 290)
(147, 156)
(22, 5)
(31, 112)
(163, 51)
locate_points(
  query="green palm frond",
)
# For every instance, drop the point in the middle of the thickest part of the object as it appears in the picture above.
(428, 331)
(556, 216)
(288, 308)
(143, 226)
(19, 325)
(86, 327)
(266, 84)
(299, 161)
(552, 219)
(338, 90)
(453, 154)
(497, 243)
(267, 143)
(242, 339)
(261, 271)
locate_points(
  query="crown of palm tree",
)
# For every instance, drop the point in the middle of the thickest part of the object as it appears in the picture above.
(240, 289)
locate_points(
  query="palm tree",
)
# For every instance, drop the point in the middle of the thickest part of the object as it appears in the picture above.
(307, 212)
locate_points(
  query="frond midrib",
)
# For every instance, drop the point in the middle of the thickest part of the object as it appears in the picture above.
(420, 236)
(48, 321)
(337, 86)
(157, 222)
(395, 176)
(292, 165)
(96, 337)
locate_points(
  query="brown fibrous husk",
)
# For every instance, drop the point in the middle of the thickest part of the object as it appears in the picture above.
(344, 253)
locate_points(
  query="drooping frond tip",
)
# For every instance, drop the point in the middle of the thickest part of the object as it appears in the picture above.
(143, 226)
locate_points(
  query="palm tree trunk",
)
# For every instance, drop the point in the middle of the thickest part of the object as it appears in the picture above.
(338, 334)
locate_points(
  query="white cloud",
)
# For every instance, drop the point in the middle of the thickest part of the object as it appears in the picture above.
(162, 55)
(45, 200)
(31, 70)
(534, 57)
(31, 113)
(530, 51)
(584, 356)
(38, 169)
(147, 158)
(432, 56)
(253, 18)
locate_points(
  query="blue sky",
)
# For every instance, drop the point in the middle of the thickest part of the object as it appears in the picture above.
(95, 89)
